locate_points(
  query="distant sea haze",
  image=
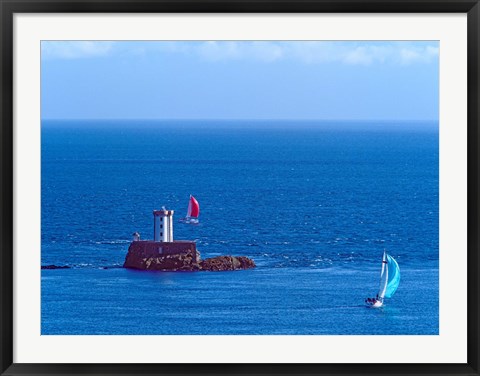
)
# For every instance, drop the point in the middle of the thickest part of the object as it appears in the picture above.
(293, 125)
(313, 203)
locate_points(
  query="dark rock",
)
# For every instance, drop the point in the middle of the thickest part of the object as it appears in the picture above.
(221, 263)
(181, 262)
(150, 255)
(54, 267)
(179, 256)
(146, 257)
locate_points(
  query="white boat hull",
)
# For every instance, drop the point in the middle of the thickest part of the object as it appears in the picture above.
(193, 221)
(374, 303)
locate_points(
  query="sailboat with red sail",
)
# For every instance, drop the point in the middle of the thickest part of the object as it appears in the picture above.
(193, 211)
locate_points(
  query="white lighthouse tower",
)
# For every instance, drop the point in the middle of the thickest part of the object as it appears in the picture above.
(163, 225)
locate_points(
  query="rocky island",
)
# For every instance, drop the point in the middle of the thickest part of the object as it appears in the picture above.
(179, 256)
(165, 254)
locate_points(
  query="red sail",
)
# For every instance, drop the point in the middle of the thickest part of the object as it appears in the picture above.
(193, 208)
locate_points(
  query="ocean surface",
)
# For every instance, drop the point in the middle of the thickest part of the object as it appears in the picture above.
(314, 204)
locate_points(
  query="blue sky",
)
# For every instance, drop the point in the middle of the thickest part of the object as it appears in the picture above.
(240, 80)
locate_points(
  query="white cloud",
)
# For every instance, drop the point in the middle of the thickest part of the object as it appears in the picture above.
(359, 55)
(418, 55)
(75, 49)
(351, 53)
(306, 52)
(221, 51)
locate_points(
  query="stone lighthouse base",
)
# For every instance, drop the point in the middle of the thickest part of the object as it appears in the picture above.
(179, 256)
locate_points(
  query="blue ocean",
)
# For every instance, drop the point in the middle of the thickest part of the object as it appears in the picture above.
(314, 204)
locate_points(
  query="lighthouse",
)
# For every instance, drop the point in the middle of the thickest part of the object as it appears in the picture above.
(163, 225)
(161, 253)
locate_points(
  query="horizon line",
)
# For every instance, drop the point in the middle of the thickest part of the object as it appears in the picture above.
(240, 119)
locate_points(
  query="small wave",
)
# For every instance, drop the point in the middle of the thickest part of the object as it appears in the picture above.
(276, 243)
(111, 267)
(113, 242)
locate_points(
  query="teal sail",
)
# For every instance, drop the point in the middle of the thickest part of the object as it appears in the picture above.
(393, 277)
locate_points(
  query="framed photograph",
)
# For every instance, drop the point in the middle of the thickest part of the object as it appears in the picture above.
(239, 188)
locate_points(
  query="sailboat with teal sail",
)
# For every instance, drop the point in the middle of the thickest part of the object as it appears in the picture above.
(389, 281)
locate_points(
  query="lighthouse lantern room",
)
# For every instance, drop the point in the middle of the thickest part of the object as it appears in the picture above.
(163, 225)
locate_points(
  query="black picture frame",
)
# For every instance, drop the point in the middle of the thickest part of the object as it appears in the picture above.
(10, 7)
